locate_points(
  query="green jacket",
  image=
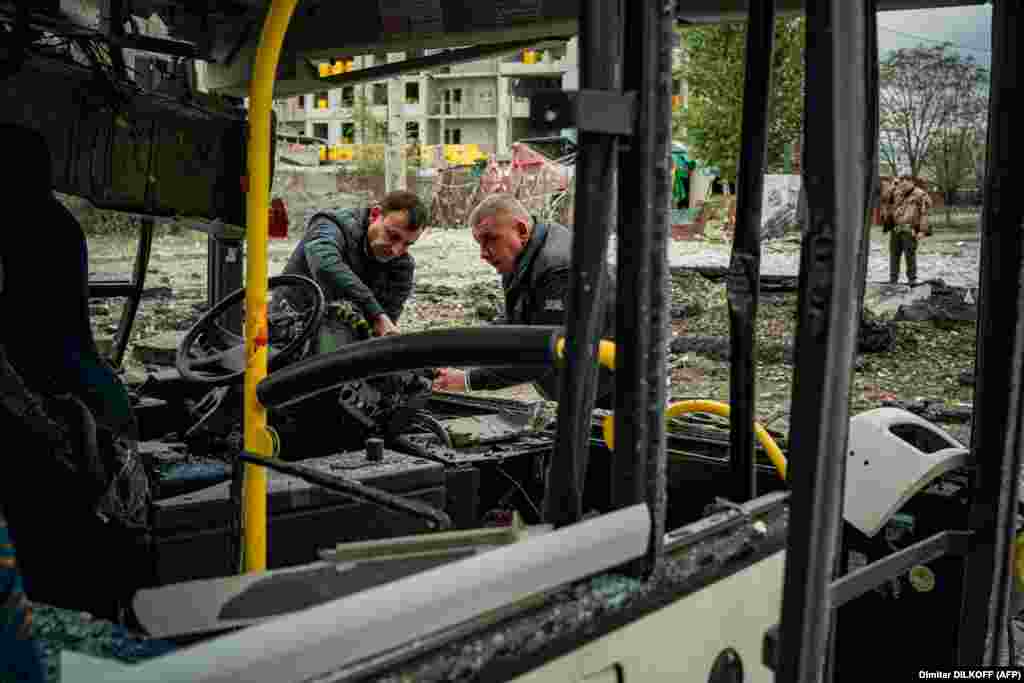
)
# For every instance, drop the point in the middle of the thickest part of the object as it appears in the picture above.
(334, 252)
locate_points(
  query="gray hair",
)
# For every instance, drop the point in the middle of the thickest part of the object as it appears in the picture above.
(499, 203)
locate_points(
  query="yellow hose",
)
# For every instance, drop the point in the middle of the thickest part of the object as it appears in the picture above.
(606, 357)
(605, 352)
(1018, 563)
(257, 439)
(716, 408)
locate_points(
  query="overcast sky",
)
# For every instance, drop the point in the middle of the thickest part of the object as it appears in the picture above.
(968, 28)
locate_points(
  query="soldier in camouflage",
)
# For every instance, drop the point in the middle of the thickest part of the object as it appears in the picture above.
(360, 257)
(904, 208)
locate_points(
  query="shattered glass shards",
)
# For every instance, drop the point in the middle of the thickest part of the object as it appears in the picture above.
(580, 610)
(613, 589)
(59, 629)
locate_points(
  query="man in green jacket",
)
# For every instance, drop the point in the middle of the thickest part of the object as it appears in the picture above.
(361, 257)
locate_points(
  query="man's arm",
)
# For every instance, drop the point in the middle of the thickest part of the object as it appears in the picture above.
(400, 284)
(329, 268)
(925, 206)
(550, 298)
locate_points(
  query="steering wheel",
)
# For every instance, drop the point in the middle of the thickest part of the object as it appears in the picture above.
(226, 365)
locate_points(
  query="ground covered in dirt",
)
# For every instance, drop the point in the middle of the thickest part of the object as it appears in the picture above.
(929, 360)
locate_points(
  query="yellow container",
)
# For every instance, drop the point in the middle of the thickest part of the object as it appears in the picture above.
(529, 56)
(325, 70)
(321, 104)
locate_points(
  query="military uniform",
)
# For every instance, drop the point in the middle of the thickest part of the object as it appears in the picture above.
(535, 294)
(904, 208)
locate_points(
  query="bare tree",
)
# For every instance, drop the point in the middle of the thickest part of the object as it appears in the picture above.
(953, 154)
(980, 153)
(922, 91)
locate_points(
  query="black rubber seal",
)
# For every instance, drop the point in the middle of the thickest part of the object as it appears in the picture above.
(494, 346)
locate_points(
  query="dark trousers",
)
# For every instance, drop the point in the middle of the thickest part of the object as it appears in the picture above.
(900, 243)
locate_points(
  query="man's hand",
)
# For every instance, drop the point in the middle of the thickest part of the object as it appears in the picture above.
(450, 379)
(383, 326)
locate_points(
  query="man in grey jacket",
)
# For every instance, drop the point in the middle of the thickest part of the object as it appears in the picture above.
(534, 263)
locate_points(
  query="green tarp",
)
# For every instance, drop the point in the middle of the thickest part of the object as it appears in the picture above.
(683, 166)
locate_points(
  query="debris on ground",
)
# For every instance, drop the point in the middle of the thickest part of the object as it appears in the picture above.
(454, 288)
(944, 306)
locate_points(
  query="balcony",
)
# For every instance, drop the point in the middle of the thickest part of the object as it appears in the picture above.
(463, 110)
(536, 63)
(414, 110)
(520, 107)
(555, 67)
(290, 111)
(475, 73)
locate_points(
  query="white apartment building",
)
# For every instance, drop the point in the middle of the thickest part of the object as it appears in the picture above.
(468, 103)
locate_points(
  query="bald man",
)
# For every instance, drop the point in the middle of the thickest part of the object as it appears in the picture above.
(534, 261)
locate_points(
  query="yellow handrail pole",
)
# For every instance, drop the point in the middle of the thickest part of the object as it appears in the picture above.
(257, 439)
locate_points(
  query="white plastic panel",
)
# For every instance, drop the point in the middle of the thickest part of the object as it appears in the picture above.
(320, 639)
(884, 467)
(680, 642)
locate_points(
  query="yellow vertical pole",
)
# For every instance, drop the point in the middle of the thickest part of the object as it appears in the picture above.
(257, 439)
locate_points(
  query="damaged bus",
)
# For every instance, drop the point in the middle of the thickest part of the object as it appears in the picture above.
(343, 528)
